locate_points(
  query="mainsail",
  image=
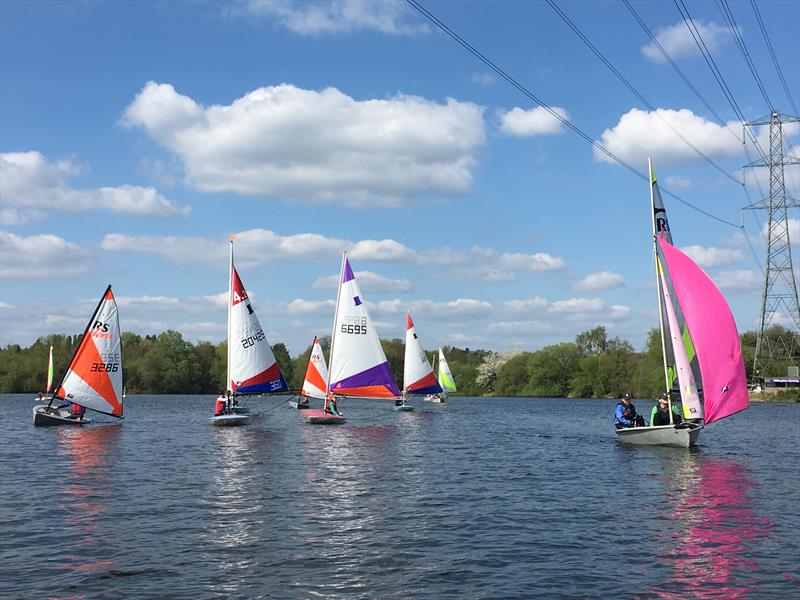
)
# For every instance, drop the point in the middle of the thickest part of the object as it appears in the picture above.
(445, 377)
(94, 377)
(252, 368)
(316, 377)
(711, 330)
(418, 376)
(358, 364)
(50, 371)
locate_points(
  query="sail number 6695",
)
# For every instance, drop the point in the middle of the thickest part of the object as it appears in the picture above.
(355, 325)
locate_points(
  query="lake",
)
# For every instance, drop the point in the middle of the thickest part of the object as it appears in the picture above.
(478, 498)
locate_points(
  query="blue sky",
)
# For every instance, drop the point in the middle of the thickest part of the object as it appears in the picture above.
(137, 137)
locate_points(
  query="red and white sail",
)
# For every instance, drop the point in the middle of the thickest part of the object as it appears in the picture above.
(94, 377)
(316, 377)
(418, 375)
(252, 367)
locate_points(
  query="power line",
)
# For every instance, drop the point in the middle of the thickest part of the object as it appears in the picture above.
(477, 54)
(772, 54)
(727, 14)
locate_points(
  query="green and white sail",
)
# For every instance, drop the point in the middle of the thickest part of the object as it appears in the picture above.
(444, 374)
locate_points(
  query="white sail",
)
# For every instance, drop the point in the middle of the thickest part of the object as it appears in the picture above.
(358, 364)
(418, 377)
(94, 377)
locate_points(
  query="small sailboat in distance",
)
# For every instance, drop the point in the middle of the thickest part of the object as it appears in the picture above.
(93, 379)
(358, 365)
(418, 376)
(316, 379)
(49, 384)
(252, 367)
(700, 343)
(446, 380)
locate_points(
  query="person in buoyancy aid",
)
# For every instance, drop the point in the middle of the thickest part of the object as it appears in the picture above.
(330, 405)
(625, 414)
(76, 411)
(660, 413)
(219, 405)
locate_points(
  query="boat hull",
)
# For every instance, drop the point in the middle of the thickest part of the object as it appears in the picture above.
(404, 408)
(229, 420)
(239, 410)
(42, 417)
(666, 435)
(322, 418)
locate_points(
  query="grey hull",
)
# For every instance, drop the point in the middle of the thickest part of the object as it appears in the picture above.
(42, 417)
(666, 435)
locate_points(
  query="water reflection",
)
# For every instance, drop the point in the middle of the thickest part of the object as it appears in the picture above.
(709, 554)
(91, 458)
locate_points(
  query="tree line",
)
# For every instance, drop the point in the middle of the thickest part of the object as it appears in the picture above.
(592, 366)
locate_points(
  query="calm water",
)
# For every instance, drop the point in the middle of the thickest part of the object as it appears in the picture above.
(481, 498)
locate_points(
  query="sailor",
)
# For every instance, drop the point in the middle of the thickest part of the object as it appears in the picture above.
(219, 406)
(625, 414)
(660, 413)
(330, 405)
(76, 411)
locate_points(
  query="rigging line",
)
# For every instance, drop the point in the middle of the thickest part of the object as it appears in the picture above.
(772, 54)
(630, 86)
(691, 86)
(477, 54)
(759, 265)
(727, 14)
(712, 65)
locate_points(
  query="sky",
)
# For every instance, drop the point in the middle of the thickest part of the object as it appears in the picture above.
(137, 137)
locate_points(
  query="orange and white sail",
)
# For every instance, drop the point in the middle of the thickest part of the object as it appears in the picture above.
(314, 383)
(94, 377)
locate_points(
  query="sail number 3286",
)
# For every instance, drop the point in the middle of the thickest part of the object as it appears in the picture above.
(355, 325)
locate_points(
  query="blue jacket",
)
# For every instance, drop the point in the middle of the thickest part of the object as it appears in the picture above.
(619, 414)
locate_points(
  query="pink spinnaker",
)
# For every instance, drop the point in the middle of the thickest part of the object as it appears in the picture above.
(714, 335)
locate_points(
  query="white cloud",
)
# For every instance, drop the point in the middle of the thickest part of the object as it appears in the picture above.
(382, 250)
(739, 280)
(483, 78)
(298, 306)
(534, 305)
(600, 281)
(40, 256)
(641, 133)
(368, 282)
(707, 257)
(316, 146)
(534, 121)
(10, 217)
(678, 42)
(6, 306)
(485, 273)
(677, 182)
(578, 305)
(521, 328)
(29, 184)
(313, 17)
(517, 261)
(793, 229)
(467, 308)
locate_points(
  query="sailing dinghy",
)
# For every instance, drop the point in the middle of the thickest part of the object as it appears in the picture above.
(700, 343)
(94, 378)
(316, 379)
(49, 385)
(358, 365)
(252, 367)
(418, 375)
(446, 381)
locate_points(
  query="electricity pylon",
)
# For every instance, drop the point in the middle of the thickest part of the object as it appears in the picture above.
(780, 287)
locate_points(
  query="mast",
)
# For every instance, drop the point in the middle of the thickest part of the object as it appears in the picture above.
(78, 348)
(333, 333)
(658, 288)
(230, 299)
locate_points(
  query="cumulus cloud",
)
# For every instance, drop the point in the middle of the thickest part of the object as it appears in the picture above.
(30, 184)
(678, 42)
(533, 305)
(515, 328)
(461, 308)
(315, 17)
(739, 280)
(40, 256)
(517, 261)
(316, 146)
(793, 229)
(707, 257)
(483, 78)
(642, 133)
(534, 121)
(382, 250)
(368, 282)
(600, 281)
(676, 182)
(486, 273)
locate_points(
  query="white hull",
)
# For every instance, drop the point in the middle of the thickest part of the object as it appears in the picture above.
(230, 420)
(42, 417)
(665, 435)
